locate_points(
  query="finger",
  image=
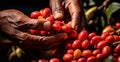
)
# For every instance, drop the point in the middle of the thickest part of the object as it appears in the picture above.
(76, 12)
(56, 38)
(40, 24)
(44, 42)
(57, 9)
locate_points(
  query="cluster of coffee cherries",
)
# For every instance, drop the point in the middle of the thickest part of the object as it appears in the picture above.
(81, 46)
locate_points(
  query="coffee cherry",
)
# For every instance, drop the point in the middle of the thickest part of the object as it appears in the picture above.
(35, 14)
(101, 44)
(106, 50)
(91, 59)
(46, 12)
(54, 60)
(99, 56)
(85, 44)
(74, 60)
(66, 28)
(70, 51)
(50, 18)
(33, 31)
(86, 53)
(104, 35)
(116, 38)
(117, 25)
(95, 52)
(76, 44)
(109, 39)
(81, 60)
(82, 35)
(95, 40)
(117, 49)
(77, 53)
(91, 35)
(73, 34)
(67, 57)
(56, 27)
(42, 60)
(68, 45)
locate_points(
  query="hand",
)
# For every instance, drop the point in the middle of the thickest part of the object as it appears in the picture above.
(15, 24)
(75, 9)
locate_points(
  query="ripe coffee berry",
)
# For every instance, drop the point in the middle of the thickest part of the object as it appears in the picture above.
(73, 34)
(82, 35)
(95, 52)
(76, 44)
(95, 40)
(46, 12)
(91, 35)
(85, 44)
(67, 57)
(66, 28)
(86, 53)
(35, 14)
(106, 50)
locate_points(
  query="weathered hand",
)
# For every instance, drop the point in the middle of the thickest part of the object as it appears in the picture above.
(75, 9)
(15, 24)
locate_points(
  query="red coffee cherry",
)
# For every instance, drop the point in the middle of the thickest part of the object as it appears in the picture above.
(99, 56)
(76, 44)
(66, 28)
(117, 25)
(116, 38)
(117, 49)
(101, 44)
(73, 34)
(46, 12)
(106, 50)
(54, 60)
(109, 39)
(35, 14)
(70, 51)
(67, 57)
(81, 60)
(85, 44)
(95, 40)
(82, 35)
(86, 53)
(95, 52)
(104, 35)
(91, 59)
(91, 35)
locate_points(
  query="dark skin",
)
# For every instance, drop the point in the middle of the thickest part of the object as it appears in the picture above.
(15, 24)
(75, 10)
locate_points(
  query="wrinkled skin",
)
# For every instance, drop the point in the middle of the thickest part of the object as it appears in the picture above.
(75, 9)
(15, 24)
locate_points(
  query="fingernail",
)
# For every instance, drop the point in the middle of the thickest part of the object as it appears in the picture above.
(58, 16)
(47, 25)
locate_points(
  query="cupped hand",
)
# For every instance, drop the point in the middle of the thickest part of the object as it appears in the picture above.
(15, 24)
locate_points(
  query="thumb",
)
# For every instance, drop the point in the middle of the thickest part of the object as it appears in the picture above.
(57, 9)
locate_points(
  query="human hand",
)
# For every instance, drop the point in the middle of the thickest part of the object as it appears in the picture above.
(75, 9)
(15, 24)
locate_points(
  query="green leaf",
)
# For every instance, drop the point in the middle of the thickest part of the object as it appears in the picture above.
(113, 7)
(102, 21)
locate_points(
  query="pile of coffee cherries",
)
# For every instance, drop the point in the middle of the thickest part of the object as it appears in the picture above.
(81, 46)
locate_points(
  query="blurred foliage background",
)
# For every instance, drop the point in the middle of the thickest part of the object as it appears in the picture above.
(100, 13)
